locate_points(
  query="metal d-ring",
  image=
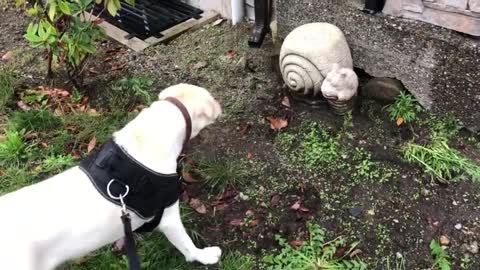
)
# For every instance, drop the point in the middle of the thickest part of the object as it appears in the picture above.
(119, 197)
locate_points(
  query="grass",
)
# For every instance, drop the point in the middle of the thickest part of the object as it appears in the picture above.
(34, 121)
(7, 83)
(13, 148)
(222, 174)
(237, 261)
(15, 177)
(315, 253)
(441, 161)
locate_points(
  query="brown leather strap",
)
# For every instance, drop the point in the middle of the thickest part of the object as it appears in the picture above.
(186, 116)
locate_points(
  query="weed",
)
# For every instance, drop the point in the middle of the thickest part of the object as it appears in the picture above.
(34, 120)
(222, 174)
(284, 141)
(447, 127)
(404, 109)
(76, 96)
(316, 253)
(237, 261)
(13, 148)
(393, 264)
(440, 160)
(318, 148)
(7, 83)
(14, 178)
(56, 164)
(128, 92)
(465, 262)
(440, 255)
(346, 126)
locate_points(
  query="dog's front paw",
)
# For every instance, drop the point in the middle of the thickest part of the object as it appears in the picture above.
(209, 255)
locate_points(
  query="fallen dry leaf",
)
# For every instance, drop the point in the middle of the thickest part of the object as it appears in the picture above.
(236, 222)
(44, 144)
(107, 59)
(218, 22)
(254, 222)
(198, 206)
(286, 102)
(76, 154)
(400, 121)
(93, 71)
(244, 128)
(277, 123)
(304, 209)
(7, 56)
(200, 65)
(221, 207)
(231, 54)
(91, 144)
(23, 106)
(275, 201)
(119, 67)
(249, 213)
(355, 253)
(296, 243)
(249, 155)
(187, 177)
(30, 135)
(295, 206)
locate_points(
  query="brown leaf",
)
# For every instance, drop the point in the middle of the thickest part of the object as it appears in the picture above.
(119, 67)
(304, 209)
(356, 252)
(76, 154)
(231, 54)
(275, 201)
(277, 123)
(184, 197)
(400, 121)
(286, 102)
(236, 222)
(296, 243)
(7, 56)
(44, 145)
(249, 155)
(228, 194)
(249, 213)
(107, 59)
(187, 177)
(198, 206)
(340, 252)
(244, 128)
(295, 206)
(30, 135)
(254, 222)
(91, 144)
(23, 106)
(200, 65)
(97, 21)
(221, 207)
(93, 71)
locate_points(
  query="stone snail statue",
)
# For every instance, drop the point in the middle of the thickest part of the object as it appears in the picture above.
(315, 60)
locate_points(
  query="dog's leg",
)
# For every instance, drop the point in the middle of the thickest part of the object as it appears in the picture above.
(171, 225)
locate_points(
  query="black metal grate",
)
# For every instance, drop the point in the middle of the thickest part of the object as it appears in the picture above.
(149, 17)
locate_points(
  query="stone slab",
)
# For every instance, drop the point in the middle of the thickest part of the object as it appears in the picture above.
(439, 66)
(474, 5)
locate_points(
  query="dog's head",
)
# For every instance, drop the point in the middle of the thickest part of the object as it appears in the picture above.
(201, 106)
(340, 84)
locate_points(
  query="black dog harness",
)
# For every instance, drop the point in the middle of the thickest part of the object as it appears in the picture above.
(112, 170)
(124, 181)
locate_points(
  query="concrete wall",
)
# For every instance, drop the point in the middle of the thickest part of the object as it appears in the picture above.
(439, 66)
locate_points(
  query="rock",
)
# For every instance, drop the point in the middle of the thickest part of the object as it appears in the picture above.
(7, 56)
(444, 241)
(355, 211)
(384, 90)
(473, 247)
(458, 226)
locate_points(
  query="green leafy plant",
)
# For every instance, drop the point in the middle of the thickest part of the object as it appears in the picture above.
(237, 261)
(318, 147)
(404, 109)
(223, 174)
(64, 30)
(13, 147)
(315, 254)
(56, 164)
(7, 82)
(440, 160)
(440, 256)
(128, 92)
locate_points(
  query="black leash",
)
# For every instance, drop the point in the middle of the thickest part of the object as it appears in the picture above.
(130, 248)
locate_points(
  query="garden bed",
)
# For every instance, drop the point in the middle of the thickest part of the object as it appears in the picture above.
(345, 174)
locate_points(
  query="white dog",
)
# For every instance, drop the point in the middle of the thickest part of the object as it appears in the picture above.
(65, 217)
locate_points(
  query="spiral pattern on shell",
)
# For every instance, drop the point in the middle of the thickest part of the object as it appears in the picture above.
(300, 74)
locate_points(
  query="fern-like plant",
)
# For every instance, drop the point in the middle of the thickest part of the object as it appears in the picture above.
(440, 255)
(315, 254)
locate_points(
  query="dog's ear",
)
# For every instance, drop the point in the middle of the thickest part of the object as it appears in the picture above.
(211, 111)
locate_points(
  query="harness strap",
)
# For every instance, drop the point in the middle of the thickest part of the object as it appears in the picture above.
(130, 249)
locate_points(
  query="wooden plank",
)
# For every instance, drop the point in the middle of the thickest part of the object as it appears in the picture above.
(119, 35)
(192, 24)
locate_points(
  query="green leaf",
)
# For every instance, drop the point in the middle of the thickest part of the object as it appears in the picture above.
(33, 11)
(64, 7)
(52, 10)
(112, 7)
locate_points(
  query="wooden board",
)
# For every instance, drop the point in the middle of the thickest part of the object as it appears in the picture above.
(137, 44)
